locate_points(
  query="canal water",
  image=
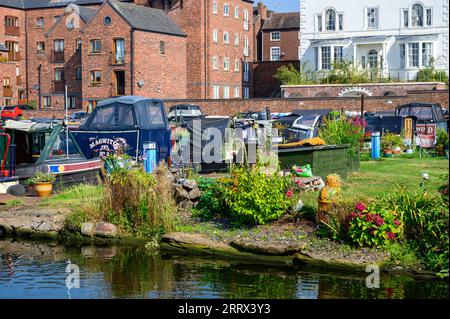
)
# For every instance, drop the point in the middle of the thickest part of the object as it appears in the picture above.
(39, 270)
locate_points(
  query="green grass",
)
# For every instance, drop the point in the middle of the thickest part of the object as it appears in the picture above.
(14, 203)
(376, 178)
(75, 196)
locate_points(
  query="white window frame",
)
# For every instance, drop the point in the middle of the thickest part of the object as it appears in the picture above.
(273, 55)
(226, 91)
(272, 38)
(414, 23)
(340, 21)
(237, 65)
(246, 92)
(226, 37)
(426, 17)
(319, 22)
(226, 64)
(331, 27)
(405, 22)
(216, 92)
(236, 12)
(246, 20)
(376, 25)
(329, 64)
(336, 50)
(215, 36)
(226, 9)
(425, 63)
(237, 93)
(45, 100)
(411, 55)
(215, 7)
(236, 39)
(215, 63)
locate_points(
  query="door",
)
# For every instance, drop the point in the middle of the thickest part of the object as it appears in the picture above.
(119, 82)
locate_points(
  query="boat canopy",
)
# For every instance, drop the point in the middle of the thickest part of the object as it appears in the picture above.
(126, 113)
(28, 126)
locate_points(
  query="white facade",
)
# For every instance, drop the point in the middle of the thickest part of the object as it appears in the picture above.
(399, 37)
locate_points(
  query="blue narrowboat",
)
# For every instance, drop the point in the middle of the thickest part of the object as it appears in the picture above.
(133, 124)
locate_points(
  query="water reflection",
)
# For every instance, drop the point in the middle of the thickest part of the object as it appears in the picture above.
(33, 270)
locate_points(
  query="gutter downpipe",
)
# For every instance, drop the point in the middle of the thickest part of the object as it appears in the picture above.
(206, 48)
(26, 60)
(132, 60)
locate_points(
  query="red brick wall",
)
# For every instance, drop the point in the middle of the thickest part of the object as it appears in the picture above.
(375, 89)
(231, 107)
(8, 70)
(264, 82)
(20, 14)
(288, 43)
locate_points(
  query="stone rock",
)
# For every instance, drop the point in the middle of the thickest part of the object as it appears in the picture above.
(186, 205)
(105, 230)
(189, 184)
(267, 248)
(181, 194)
(87, 229)
(195, 194)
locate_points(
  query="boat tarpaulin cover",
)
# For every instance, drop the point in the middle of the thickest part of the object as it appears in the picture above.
(28, 126)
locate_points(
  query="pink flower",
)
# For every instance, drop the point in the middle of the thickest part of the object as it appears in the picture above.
(298, 182)
(299, 170)
(289, 193)
(390, 235)
(397, 222)
(360, 207)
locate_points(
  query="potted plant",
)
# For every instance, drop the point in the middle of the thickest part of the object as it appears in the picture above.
(391, 144)
(43, 183)
(441, 142)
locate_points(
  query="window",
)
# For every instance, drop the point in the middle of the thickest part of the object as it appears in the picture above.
(59, 75)
(96, 77)
(47, 101)
(405, 17)
(319, 23)
(215, 63)
(226, 64)
(341, 22)
(417, 15)
(56, 18)
(78, 74)
(402, 55)
(363, 61)
(215, 36)
(316, 58)
(275, 36)
(226, 37)
(107, 20)
(275, 54)
(118, 51)
(236, 39)
(330, 20)
(426, 53)
(6, 82)
(40, 22)
(95, 46)
(236, 92)
(236, 12)
(92, 104)
(413, 55)
(326, 58)
(162, 47)
(215, 7)
(372, 18)
(237, 64)
(246, 93)
(40, 46)
(216, 92)
(226, 92)
(58, 45)
(246, 66)
(11, 21)
(72, 102)
(246, 24)
(429, 17)
(338, 54)
(372, 59)
(78, 45)
(226, 10)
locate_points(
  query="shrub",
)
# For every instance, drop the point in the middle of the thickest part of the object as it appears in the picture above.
(390, 141)
(254, 197)
(140, 203)
(373, 226)
(212, 201)
(343, 130)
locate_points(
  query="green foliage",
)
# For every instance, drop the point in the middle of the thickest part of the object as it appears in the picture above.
(374, 227)
(426, 222)
(403, 254)
(389, 141)
(289, 75)
(14, 203)
(346, 72)
(212, 201)
(442, 138)
(141, 204)
(254, 197)
(430, 74)
(343, 130)
(40, 177)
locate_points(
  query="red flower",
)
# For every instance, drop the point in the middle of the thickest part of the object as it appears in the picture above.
(390, 235)
(289, 193)
(397, 222)
(360, 207)
(298, 182)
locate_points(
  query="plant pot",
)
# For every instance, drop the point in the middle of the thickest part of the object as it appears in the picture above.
(387, 153)
(43, 189)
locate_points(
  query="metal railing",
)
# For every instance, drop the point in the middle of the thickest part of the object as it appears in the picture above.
(118, 58)
(59, 86)
(58, 56)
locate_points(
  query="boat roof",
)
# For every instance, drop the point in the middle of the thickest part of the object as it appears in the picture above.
(28, 126)
(131, 99)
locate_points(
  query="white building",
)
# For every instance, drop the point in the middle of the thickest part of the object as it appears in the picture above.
(397, 36)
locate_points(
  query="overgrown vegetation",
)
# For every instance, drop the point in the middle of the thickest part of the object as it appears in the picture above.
(430, 74)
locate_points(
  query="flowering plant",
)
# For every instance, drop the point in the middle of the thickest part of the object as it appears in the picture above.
(368, 226)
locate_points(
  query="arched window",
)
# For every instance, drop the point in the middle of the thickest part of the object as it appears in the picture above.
(417, 15)
(322, 94)
(330, 20)
(372, 58)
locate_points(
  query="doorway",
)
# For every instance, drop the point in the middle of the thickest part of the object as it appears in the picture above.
(119, 83)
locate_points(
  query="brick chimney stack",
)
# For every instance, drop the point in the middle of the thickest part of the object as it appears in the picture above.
(262, 11)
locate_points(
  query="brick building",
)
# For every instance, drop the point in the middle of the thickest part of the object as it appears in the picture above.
(208, 56)
(276, 34)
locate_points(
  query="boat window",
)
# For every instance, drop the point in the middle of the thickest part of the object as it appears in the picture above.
(59, 150)
(126, 117)
(156, 116)
(422, 113)
(439, 115)
(104, 117)
(307, 120)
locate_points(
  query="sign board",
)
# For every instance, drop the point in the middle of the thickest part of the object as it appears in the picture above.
(426, 129)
